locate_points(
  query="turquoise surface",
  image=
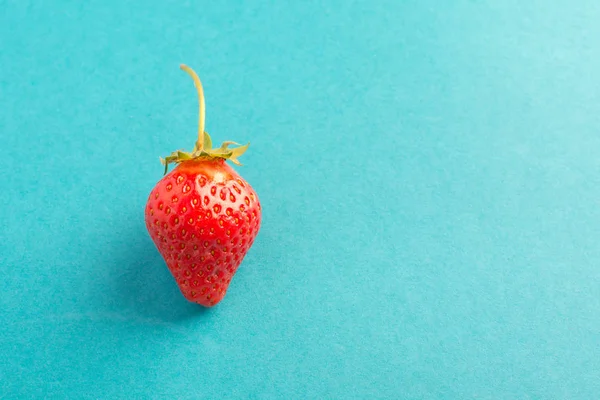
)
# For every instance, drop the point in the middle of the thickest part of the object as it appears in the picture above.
(429, 175)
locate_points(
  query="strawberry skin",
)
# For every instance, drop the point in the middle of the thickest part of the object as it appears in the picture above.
(203, 217)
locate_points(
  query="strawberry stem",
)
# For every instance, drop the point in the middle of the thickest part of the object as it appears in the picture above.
(202, 111)
(204, 148)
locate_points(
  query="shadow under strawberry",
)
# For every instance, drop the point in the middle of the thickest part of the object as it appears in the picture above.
(140, 284)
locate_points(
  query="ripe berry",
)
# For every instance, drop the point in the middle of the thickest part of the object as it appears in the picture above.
(203, 216)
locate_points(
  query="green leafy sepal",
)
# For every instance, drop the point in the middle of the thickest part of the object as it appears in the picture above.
(204, 150)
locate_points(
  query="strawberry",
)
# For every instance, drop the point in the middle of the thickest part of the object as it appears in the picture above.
(203, 216)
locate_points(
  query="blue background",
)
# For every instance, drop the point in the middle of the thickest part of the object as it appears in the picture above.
(429, 174)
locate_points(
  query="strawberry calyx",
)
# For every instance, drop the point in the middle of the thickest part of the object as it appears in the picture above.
(206, 152)
(203, 148)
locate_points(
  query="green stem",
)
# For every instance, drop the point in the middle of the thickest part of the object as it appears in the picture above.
(202, 111)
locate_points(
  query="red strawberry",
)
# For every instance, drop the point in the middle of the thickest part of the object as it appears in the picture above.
(203, 216)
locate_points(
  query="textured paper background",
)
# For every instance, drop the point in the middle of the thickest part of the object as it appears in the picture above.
(429, 174)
